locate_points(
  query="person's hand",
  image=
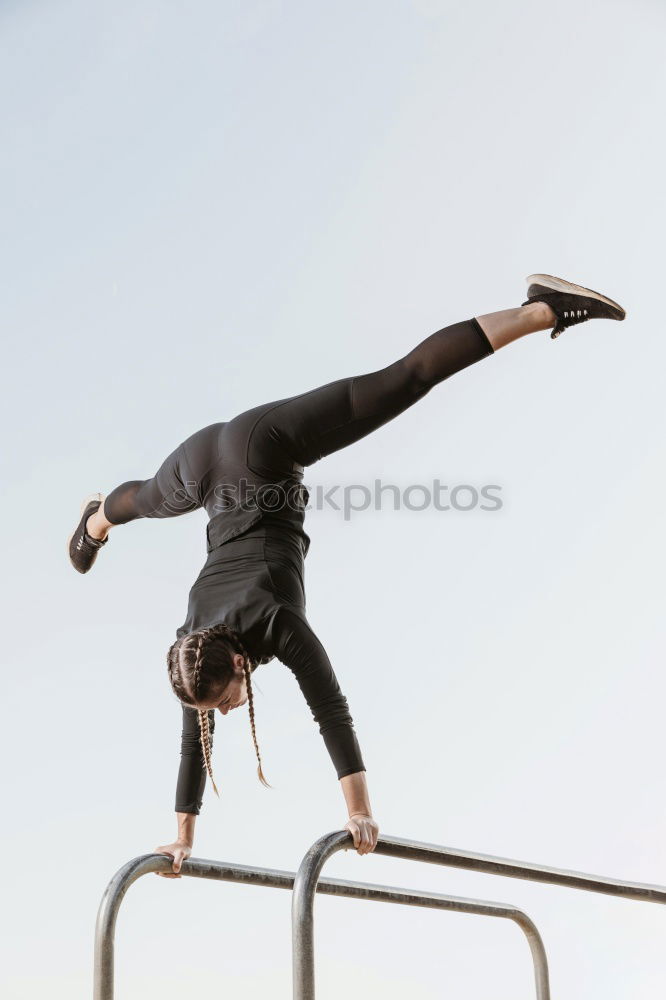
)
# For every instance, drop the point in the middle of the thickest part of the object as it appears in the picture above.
(364, 830)
(179, 851)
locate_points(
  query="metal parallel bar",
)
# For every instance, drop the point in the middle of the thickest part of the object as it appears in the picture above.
(114, 894)
(414, 850)
(273, 878)
(307, 877)
(307, 884)
(314, 861)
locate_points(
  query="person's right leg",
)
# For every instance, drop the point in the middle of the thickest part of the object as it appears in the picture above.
(502, 328)
(304, 428)
(317, 423)
(309, 426)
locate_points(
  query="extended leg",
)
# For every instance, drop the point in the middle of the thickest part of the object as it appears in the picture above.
(382, 395)
(501, 328)
(175, 488)
(307, 427)
(322, 421)
(165, 495)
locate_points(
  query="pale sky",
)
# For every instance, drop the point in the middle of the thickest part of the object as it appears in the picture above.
(207, 206)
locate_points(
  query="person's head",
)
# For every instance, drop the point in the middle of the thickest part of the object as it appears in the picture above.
(211, 669)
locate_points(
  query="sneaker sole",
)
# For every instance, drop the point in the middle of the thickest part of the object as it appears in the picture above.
(88, 499)
(560, 285)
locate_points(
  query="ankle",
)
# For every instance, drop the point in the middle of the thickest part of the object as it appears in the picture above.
(97, 527)
(541, 315)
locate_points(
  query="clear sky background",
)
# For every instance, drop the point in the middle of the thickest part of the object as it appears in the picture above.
(206, 206)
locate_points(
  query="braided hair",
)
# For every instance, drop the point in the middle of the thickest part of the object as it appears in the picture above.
(200, 666)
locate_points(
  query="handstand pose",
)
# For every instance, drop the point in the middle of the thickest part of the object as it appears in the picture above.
(248, 603)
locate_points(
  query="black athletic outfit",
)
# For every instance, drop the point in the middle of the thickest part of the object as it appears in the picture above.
(247, 474)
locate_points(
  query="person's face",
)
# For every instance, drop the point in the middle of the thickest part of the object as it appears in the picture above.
(234, 694)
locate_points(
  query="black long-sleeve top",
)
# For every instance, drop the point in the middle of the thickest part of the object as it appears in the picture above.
(253, 582)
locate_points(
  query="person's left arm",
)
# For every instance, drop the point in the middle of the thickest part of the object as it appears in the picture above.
(189, 788)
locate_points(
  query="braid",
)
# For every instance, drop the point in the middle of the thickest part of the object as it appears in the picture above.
(204, 736)
(198, 656)
(193, 669)
(204, 721)
(250, 703)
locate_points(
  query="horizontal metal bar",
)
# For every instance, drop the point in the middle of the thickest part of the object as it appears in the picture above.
(277, 879)
(414, 850)
(338, 840)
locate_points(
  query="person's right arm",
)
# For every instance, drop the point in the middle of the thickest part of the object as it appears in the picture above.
(296, 645)
(189, 789)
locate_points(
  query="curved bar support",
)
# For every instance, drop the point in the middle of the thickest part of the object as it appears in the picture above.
(307, 883)
(108, 913)
(309, 874)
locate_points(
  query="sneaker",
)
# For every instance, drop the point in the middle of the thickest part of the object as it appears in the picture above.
(570, 303)
(81, 546)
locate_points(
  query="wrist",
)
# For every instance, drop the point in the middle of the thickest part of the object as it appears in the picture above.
(355, 790)
(186, 822)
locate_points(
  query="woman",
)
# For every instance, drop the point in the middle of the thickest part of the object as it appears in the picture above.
(248, 603)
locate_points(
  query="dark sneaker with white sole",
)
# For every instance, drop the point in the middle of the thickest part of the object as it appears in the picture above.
(571, 303)
(82, 547)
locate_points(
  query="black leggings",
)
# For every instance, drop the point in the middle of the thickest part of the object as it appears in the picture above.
(278, 438)
(269, 443)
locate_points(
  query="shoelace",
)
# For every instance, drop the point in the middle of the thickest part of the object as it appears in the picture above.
(566, 318)
(575, 313)
(569, 316)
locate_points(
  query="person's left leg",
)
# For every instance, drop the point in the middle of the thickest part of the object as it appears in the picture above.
(175, 489)
(163, 495)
